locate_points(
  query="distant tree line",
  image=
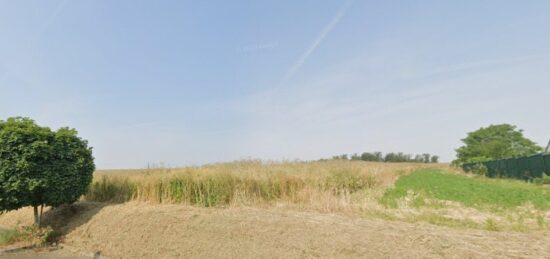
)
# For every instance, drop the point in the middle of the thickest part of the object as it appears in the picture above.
(390, 157)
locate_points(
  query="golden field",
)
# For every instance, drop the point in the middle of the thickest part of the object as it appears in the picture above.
(256, 209)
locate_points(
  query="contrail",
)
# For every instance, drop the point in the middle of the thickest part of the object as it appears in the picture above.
(300, 62)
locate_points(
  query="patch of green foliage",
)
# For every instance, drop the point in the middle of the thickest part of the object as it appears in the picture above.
(477, 192)
(495, 142)
(429, 217)
(7, 236)
(111, 190)
(41, 167)
(545, 179)
(33, 235)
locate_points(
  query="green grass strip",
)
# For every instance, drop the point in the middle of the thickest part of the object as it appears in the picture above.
(475, 192)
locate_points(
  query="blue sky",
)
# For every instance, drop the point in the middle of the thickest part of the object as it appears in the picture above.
(194, 82)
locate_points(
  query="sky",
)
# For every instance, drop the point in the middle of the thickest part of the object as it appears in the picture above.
(194, 82)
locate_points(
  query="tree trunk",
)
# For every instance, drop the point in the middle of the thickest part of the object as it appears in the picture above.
(36, 217)
(40, 215)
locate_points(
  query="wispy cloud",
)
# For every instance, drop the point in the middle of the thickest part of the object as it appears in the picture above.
(326, 30)
(484, 63)
(258, 47)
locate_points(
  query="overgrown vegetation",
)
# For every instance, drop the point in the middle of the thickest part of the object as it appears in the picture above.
(242, 182)
(7, 236)
(545, 179)
(30, 235)
(477, 192)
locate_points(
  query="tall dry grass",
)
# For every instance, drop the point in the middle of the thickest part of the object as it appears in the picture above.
(245, 182)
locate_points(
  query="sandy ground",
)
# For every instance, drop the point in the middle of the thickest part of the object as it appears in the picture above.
(138, 230)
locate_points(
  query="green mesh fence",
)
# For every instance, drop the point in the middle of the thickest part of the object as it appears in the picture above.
(525, 168)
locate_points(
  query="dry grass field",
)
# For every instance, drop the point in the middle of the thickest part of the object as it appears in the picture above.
(294, 209)
(329, 185)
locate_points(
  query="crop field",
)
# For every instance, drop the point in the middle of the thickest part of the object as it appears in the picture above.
(329, 208)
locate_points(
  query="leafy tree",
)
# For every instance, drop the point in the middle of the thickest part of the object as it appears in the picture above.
(418, 158)
(435, 159)
(341, 157)
(379, 156)
(366, 156)
(426, 157)
(40, 167)
(495, 142)
(390, 157)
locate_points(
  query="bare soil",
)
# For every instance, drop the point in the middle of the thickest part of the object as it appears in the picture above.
(32, 254)
(139, 230)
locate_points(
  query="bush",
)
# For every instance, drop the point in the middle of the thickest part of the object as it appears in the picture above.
(480, 169)
(545, 179)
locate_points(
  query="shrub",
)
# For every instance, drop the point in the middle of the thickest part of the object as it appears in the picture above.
(480, 169)
(545, 179)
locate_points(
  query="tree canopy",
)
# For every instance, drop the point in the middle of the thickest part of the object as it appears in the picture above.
(390, 157)
(40, 167)
(495, 142)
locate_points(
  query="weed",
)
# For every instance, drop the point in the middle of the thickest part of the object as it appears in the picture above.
(491, 225)
(32, 235)
(8, 236)
(545, 179)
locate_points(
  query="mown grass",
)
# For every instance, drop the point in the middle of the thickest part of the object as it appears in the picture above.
(477, 192)
(244, 182)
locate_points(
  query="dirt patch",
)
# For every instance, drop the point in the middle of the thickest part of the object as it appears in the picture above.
(138, 230)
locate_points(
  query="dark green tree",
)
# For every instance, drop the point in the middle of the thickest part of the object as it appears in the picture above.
(418, 159)
(426, 157)
(379, 156)
(495, 142)
(366, 156)
(355, 156)
(435, 159)
(40, 167)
